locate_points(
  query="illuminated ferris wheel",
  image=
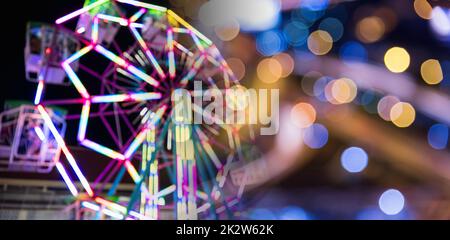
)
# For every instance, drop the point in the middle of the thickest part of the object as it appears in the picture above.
(122, 61)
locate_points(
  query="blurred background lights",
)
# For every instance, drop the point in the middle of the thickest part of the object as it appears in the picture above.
(423, 9)
(306, 15)
(391, 202)
(228, 31)
(438, 135)
(316, 136)
(308, 82)
(397, 59)
(440, 22)
(320, 42)
(293, 213)
(286, 62)
(343, 90)
(237, 66)
(370, 29)
(296, 33)
(402, 114)
(385, 105)
(269, 70)
(354, 159)
(252, 15)
(315, 5)
(431, 71)
(353, 51)
(261, 214)
(303, 115)
(270, 43)
(320, 87)
(333, 26)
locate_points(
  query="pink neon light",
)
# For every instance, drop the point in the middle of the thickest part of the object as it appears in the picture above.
(126, 97)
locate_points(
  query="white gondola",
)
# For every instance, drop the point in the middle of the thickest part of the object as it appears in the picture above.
(26, 143)
(46, 46)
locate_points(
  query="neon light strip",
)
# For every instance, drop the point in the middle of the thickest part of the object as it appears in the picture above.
(209, 150)
(112, 214)
(136, 143)
(148, 52)
(188, 26)
(144, 5)
(40, 89)
(66, 179)
(66, 151)
(71, 74)
(194, 70)
(111, 98)
(145, 96)
(171, 54)
(181, 30)
(138, 73)
(79, 54)
(137, 15)
(91, 206)
(95, 30)
(111, 205)
(80, 11)
(84, 121)
(75, 80)
(102, 149)
(111, 56)
(39, 133)
(132, 171)
(197, 42)
(141, 136)
(182, 48)
(168, 190)
(121, 21)
(119, 61)
(136, 25)
(105, 211)
(81, 30)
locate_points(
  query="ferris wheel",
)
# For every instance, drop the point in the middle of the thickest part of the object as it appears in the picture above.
(117, 66)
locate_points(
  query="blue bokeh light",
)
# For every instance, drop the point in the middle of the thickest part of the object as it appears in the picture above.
(270, 43)
(293, 213)
(262, 214)
(316, 136)
(296, 33)
(333, 26)
(319, 88)
(315, 5)
(438, 136)
(354, 159)
(353, 52)
(391, 202)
